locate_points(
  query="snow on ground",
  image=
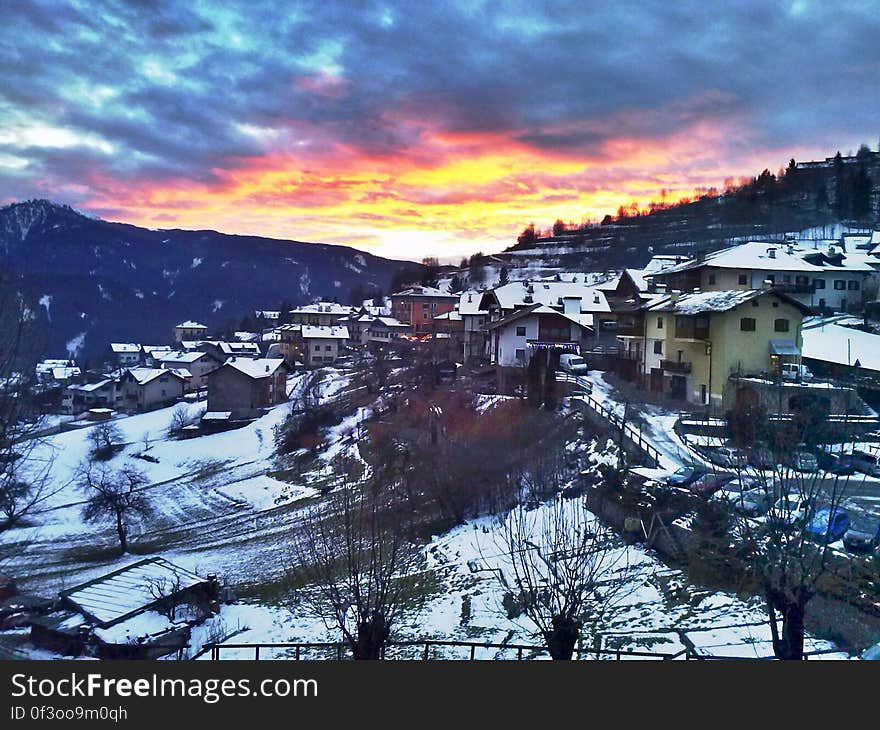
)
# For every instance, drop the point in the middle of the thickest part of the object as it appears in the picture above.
(263, 492)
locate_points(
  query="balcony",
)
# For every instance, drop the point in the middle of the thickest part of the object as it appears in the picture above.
(797, 288)
(630, 329)
(673, 366)
(691, 333)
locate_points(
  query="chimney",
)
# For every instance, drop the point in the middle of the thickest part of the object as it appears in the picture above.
(771, 253)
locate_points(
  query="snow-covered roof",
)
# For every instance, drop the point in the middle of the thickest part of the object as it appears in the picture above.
(760, 255)
(190, 324)
(776, 256)
(450, 316)
(323, 308)
(89, 387)
(153, 349)
(469, 303)
(120, 347)
(538, 309)
(130, 590)
(183, 358)
(146, 375)
(65, 373)
(834, 343)
(324, 332)
(425, 291)
(390, 322)
(257, 367)
(236, 348)
(550, 293)
(692, 303)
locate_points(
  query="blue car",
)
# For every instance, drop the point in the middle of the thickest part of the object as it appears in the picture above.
(828, 525)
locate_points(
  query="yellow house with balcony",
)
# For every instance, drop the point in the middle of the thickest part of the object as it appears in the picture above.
(695, 341)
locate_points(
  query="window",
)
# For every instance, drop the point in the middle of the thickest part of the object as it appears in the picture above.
(786, 278)
(520, 354)
(780, 325)
(328, 348)
(819, 283)
(840, 284)
(658, 347)
(747, 324)
(317, 348)
(703, 399)
(711, 278)
(771, 278)
(743, 279)
(659, 323)
(520, 331)
(755, 303)
(852, 285)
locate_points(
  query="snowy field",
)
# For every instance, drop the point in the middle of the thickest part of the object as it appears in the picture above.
(223, 507)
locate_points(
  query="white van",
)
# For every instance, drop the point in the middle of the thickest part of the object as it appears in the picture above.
(795, 371)
(573, 364)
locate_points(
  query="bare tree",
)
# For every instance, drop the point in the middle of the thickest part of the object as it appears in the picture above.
(114, 496)
(105, 439)
(563, 567)
(357, 561)
(167, 593)
(24, 477)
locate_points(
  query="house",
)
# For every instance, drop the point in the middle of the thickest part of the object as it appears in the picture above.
(124, 354)
(190, 330)
(142, 611)
(382, 330)
(80, 397)
(244, 386)
(143, 389)
(475, 340)
(419, 305)
(57, 372)
(223, 350)
(820, 279)
(449, 329)
(322, 344)
(535, 335)
(197, 364)
(695, 342)
(153, 353)
(320, 313)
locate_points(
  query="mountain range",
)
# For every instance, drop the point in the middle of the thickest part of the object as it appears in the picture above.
(93, 281)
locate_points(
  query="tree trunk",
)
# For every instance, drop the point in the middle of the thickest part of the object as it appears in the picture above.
(371, 637)
(791, 644)
(120, 531)
(562, 639)
(788, 644)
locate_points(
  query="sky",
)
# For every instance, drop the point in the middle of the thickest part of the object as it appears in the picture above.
(417, 128)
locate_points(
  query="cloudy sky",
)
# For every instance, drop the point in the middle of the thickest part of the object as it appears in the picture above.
(415, 128)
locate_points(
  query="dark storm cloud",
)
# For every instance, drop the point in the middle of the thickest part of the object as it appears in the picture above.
(159, 90)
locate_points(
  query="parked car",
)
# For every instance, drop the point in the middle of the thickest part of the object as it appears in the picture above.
(872, 653)
(734, 488)
(684, 476)
(761, 457)
(844, 465)
(753, 503)
(863, 534)
(866, 463)
(708, 484)
(789, 510)
(574, 364)
(825, 459)
(795, 371)
(828, 524)
(730, 457)
(804, 461)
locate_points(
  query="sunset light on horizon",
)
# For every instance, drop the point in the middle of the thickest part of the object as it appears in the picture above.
(363, 129)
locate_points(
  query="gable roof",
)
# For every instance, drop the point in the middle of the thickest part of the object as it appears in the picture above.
(705, 302)
(142, 376)
(535, 309)
(515, 294)
(120, 347)
(324, 332)
(127, 591)
(190, 324)
(255, 368)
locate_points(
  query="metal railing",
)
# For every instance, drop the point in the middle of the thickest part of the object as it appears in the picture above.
(628, 430)
(341, 650)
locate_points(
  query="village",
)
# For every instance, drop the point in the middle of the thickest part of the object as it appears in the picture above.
(680, 377)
